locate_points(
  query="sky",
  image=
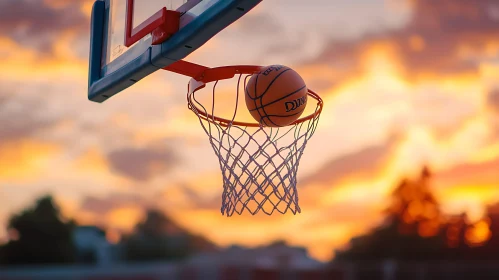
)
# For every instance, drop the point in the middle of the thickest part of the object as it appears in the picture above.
(406, 83)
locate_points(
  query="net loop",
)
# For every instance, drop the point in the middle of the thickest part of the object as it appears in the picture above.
(259, 164)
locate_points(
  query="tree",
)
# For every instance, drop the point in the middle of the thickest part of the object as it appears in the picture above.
(39, 236)
(412, 229)
(414, 209)
(160, 238)
(416, 229)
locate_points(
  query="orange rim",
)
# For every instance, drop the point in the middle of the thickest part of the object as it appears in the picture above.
(228, 72)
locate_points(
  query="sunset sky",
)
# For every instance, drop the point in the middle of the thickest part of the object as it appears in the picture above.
(406, 83)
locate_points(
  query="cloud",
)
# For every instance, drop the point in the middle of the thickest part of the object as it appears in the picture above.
(448, 36)
(443, 37)
(200, 201)
(21, 117)
(25, 159)
(142, 164)
(118, 211)
(39, 24)
(259, 24)
(476, 174)
(22, 149)
(493, 100)
(365, 161)
(103, 205)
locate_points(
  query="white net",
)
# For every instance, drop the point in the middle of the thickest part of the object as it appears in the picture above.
(259, 164)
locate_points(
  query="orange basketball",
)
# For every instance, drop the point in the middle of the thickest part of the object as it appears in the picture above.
(276, 96)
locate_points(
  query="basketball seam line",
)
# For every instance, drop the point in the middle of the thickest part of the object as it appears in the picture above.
(262, 118)
(256, 105)
(266, 115)
(278, 99)
(270, 84)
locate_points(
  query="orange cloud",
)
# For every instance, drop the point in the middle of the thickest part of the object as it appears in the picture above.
(86, 7)
(117, 212)
(118, 221)
(442, 38)
(484, 173)
(56, 4)
(493, 99)
(469, 187)
(92, 160)
(142, 164)
(25, 160)
(53, 17)
(125, 218)
(20, 62)
(364, 163)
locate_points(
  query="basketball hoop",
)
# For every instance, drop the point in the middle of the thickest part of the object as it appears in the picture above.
(258, 158)
(259, 164)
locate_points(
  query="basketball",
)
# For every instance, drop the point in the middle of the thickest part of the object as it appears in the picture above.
(276, 96)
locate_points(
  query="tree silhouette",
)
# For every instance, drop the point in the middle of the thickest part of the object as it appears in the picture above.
(40, 236)
(416, 229)
(160, 238)
(414, 209)
(412, 229)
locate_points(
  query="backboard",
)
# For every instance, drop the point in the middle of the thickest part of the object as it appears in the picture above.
(125, 46)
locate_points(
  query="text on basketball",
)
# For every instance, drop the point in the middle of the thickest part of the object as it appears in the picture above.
(295, 104)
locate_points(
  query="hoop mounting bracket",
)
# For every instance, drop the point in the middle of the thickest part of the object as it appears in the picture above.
(162, 25)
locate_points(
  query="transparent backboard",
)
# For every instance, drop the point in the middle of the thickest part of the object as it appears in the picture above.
(114, 67)
(141, 11)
